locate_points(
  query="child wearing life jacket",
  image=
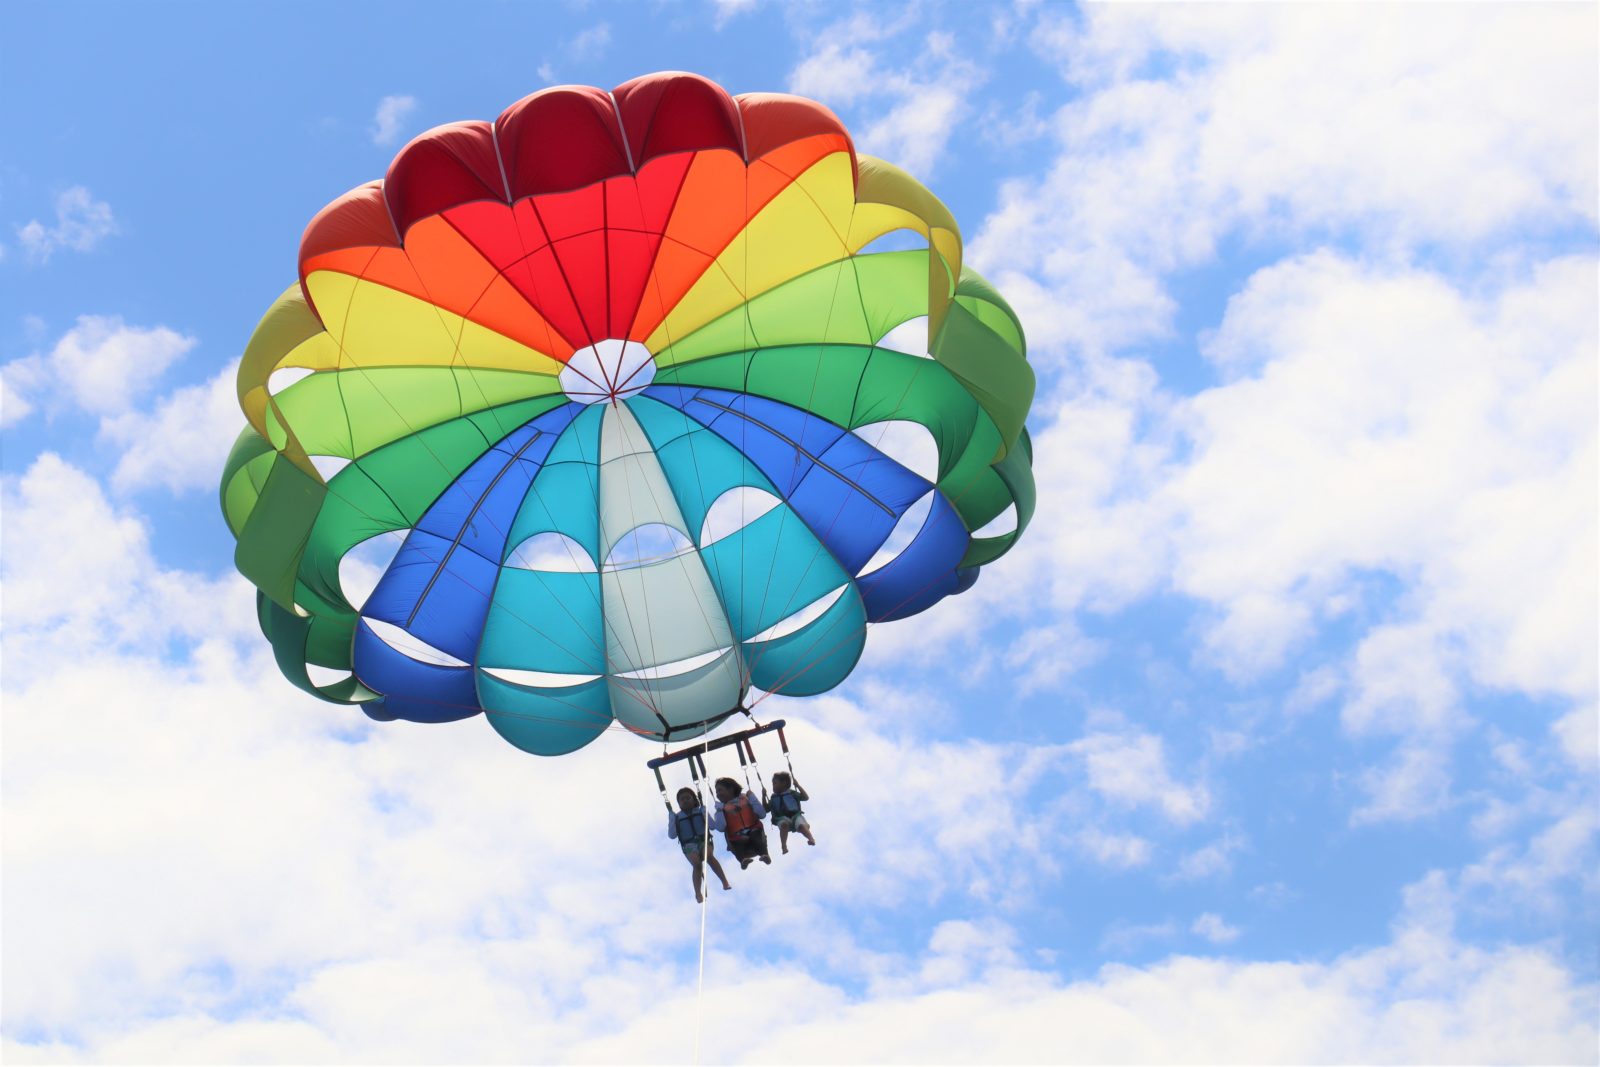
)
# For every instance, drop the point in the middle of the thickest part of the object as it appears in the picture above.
(739, 818)
(687, 826)
(784, 804)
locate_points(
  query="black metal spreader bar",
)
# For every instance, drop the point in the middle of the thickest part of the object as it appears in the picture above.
(711, 746)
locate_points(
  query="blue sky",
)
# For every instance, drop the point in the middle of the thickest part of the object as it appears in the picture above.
(1275, 739)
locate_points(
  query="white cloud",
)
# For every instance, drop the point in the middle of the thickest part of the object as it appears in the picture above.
(101, 365)
(1131, 769)
(1433, 128)
(727, 10)
(78, 576)
(17, 379)
(1211, 927)
(1043, 656)
(1579, 734)
(1113, 850)
(835, 73)
(215, 868)
(1375, 427)
(590, 43)
(1210, 861)
(390, 119)
(1414, 431)
(910, 111)
(81, 223)
(179, 444)
(1529, 877)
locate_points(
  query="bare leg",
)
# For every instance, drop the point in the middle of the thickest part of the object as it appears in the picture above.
(698, 875)
(806, 829)
(717, 869)
(783, 839)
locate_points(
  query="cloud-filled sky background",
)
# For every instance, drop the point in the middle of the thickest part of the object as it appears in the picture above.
(1275, 738)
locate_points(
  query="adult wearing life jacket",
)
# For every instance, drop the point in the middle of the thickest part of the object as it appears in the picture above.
(739, 817)
(687, 826)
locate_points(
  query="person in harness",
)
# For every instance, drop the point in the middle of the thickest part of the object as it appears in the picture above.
(784, 804)
(739, 818)
(687, 826)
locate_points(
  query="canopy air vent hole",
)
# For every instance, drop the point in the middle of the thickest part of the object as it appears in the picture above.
(325, 676)
(539, 679)
(328, 466)
(649, 543)
(905, 531)
(733, 511)
(910, 337)
(1002, 524)
(799, 620)
(675, 668)
(410, 645)
(900, 240)
(551, 551)
(909, 444)
(363, 566)
(283, 377)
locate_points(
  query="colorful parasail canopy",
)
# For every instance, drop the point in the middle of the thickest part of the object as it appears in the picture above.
(604, 413)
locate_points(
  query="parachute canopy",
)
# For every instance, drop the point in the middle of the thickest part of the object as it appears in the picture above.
(603, 413)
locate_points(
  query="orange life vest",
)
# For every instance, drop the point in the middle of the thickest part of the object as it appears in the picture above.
(738, 816)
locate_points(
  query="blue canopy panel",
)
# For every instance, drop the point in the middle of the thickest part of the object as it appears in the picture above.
(436, 592)
(925, 570)
(770, 570)
(699, 465)
(549, 622)
(565, 497)
(847, 492)
(816, 657)
(438, 587)
(414, 690)
(546, 721)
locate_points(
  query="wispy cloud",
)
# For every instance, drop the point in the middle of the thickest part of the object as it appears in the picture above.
(590, 43)
(1131, 769)
(1211, 927)
(82, 222)
(176, 444)
(102, 366)
(912, 107)
(726, 11)
(390, 120)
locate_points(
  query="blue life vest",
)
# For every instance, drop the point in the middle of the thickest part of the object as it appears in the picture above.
(691, 825)
(785, 805)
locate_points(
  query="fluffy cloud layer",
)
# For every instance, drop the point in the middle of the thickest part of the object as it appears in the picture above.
(102, 366)
(175, 445)
(914, 109)
(202, 865)
(1397, 436)
(1431, 129)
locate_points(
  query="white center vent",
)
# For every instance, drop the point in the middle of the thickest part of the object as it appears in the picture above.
(608, 371)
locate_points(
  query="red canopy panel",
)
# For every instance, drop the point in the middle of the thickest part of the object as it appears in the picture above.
(560, 145)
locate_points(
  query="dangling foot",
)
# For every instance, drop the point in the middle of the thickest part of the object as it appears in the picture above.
(785, 850)
(743, 864)
(766, 859)
(727, 885)
(699, 898)
(810, 842)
